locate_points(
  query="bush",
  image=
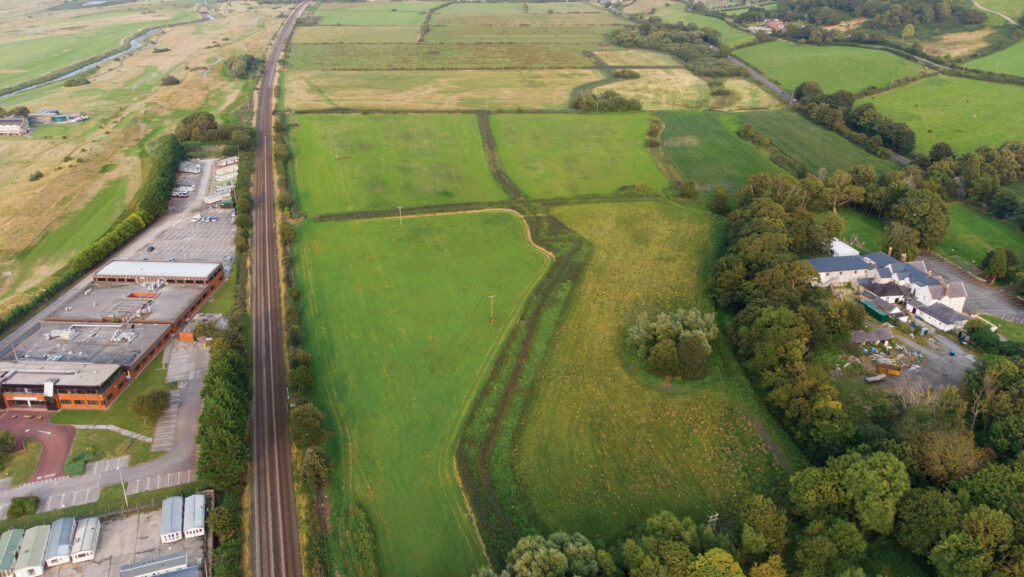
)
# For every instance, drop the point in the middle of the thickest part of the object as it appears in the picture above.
(169, 81)
(75, 464)
(151, 406)
(627, 74)
(79, 80)
(22, 506)
(35, 176)
(306, 422)
(241, 65)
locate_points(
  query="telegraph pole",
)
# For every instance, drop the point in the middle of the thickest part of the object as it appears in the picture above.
(399, 215)
(492, 307)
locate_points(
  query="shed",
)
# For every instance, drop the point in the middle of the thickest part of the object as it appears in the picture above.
(195, 516)
(87, 538)
(875, 312)
(32, 551)
(882, 336)
(157, 566)
(9, 543)
(58, 546)
(170, 520)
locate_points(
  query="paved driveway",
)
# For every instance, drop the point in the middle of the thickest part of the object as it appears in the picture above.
(981, 296)
(55, 439)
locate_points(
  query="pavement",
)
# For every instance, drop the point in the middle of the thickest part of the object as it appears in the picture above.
(56, 440)
(981, 296)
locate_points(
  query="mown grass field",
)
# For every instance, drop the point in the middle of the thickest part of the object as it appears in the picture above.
(603, 445)
(373, 13)
(565, 155)
(354, 34)
(589, 36)
(810, 144)
(437, 56)
(833, 67)
(677, 12)
(397, 320)
(346, 163)
(430, 90)
(963, 113)
(21, 465)
(972, 233)
(1007, 61)
(705, 151)
(665, 89)
(861, 230)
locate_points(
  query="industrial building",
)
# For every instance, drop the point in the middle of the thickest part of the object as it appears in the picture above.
(31, 554)
(195, 516)
(14, 126)
(58, 545)
(59, 385)
(9, 543)
(168, 564)
(171, 520)
(87, 539)
(125, 271)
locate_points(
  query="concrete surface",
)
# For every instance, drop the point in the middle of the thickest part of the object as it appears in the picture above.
(981, 296)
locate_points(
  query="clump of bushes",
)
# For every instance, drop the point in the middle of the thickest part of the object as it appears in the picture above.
(241, 65)
(169, 81)
(22, 506)
(627, 74)
(607, 101)
(79, 80)
(202, 126)
(35, 176)
(674, 344)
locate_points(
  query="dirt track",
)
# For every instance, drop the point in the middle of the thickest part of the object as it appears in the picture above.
(55, 439)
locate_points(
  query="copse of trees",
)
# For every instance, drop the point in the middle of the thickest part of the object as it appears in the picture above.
(688, 43)
(674, 344)
(607, 101)
(202, 126)
(242, 65)
(863, 124)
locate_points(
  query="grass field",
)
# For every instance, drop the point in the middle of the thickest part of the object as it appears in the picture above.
(1007, 61)
(110, 444)
(972, 233)
(416, 346)
(665, 89)
(810, 144)
(603, 445)
(1008, 329)
(703, 150)
(373, 13)
(21, 465)
(964, 113)
(677, 13)
(430, 90)
(354, 34)
(505, 14)
(346, 163)
(1012, 8)
(862, 230)
(437, 56)
(120, 414)
(589, 36)
(572, 155)
(634, 57)
(833, 67)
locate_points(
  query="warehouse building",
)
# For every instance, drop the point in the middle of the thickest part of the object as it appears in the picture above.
(166, 565)
(9, 543)
(124, 271)
(195, 516)
(58, 546)
(32, 552)
(171, 520)
(14, 126)
(87, 539)
(54, 386)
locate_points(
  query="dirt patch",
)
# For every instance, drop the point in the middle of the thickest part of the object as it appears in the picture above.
(847, 25)
(958, 44)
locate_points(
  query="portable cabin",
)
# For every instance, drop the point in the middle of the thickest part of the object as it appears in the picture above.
(9, 543)
(87, 539)
(195, 516)
(32, 552)
(58, 546)
(166, 565)
(170, 520)
(875, 312)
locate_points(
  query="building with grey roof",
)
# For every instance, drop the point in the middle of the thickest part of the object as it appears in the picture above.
(838, 270)
(87, 539)
(125, 271)
(9, 543)
(58, 546)
(938, 315)
(168, 564)
(195, 516)
(32, 552)
(171, 520)
(186, 572)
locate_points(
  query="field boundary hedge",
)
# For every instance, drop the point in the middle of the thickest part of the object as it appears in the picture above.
(425, 25)
(494, 164)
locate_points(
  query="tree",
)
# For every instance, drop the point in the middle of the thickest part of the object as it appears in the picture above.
(315, 465)
(1006, 435)
(306, 422)
(995, 264)
(926, 516)
(7, 442)
(286, 232)
(719, 202)
(960, 555)
(664, 358)
(764, 527)
(833, 225)
(300, 379)
(908, 32)
(195, 126)
(991, 528)
(809, 91)
(940, 151)
(902, 239)
(169, 81)
(151, 406)
(945, 454)
(841, 189)
(925, 212)
(716, 563)
(224, 522)
(693, 357)
(241, 65)
(827, 548)
(773, 567)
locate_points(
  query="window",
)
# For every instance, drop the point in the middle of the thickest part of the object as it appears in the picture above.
(79, 402)
(94, 402)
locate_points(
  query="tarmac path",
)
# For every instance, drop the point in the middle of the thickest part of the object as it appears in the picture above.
(56, 440)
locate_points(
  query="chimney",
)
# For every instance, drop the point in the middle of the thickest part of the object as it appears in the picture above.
(903, 257)
(890, 251)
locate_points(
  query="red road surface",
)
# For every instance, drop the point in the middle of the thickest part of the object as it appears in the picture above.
(55, 439)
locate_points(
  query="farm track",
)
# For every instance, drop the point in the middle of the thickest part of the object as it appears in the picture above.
(275, 530)
(1000, 14)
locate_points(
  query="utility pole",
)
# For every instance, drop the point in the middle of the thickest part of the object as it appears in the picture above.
(123, 490)
(399, 216)
(492, 307)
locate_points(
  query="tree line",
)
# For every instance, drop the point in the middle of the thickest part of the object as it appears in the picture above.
(700, 49)
(863, 125)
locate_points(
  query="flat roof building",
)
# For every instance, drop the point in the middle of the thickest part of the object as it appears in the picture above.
(32, 552)
(136, 303)
(9, 543)
(14, 126)
(53, 385)
(157, 566)
(171, 520)
(195, 516)
(58, 546)
(87, 539)
(124, 271)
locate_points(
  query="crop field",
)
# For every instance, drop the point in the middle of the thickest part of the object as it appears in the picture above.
(665, 89)
(745, 95)
(588, 35)
(354, 34)
(437, 56)
(677, 13)
(972, 233)
(958, 44)
(603, 445)
(346, 163)
(565, 155)
(634, 57)
(833, 67)
(1007, 61)
(964, 113)
(810, 144)
(373, 13)
(430, 90)
(514, 14)
(703, 150)
(416, 346)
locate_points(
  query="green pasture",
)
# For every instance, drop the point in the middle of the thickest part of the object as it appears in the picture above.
(565, 155)
(964, 113)
(833, 67)
(972, 233)
(21, 466)
(604, 444)
(590, 35)
(705, 151)
(677, 13)
(437, 56)
(396, 317)
(1008, 329)
(354, 34)
(120, 414)
(345, 163)
(863, 231)
(373, 13)
(1006, 61)
(1012, 8)
(810, 144)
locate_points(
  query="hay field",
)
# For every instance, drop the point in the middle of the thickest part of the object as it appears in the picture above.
(746, 95)
(603, 445)
(346, 163)
(1007, 61)
(958, 44)
(703, 150)
(397, 320)
(635, 57)
(588, 35)
(430, 90)
(833, 67)
(566, 155)
(437, 56)
(373, 13)
(665, 89)
(964, 113)
(677, 13)
(354, 34)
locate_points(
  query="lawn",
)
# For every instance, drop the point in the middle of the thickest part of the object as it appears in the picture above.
(21, 465)
(972, 233)
(223, 301)
(677, 13)
(810, 144)
(108, 444)
(603, 444)
(1008, 329)
(703, 150)
(120, 414)
(345, 163)
(964, 113)
(833, 67)
(1007, 61)
(861, 230)
(373, 13)
(566, 155)
(437, 56)
(430, 90)
(396, 318)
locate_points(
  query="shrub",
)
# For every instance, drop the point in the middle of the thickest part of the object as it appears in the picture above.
(22, 506)
(35, 176)
(79, 80)
(151, 406)
(169, 81)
